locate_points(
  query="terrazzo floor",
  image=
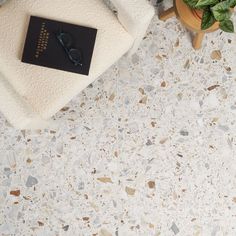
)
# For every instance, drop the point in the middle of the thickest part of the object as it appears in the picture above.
(149, 149)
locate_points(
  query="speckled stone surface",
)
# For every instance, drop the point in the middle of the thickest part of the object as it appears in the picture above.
(149, 149)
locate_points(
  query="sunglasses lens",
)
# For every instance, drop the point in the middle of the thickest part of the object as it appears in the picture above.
(66, 39)
(75, 55)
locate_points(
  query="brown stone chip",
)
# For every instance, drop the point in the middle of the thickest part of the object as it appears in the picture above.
(151, 226)
(26, 198)
(177, 43)
(151, 184)
(82, 104)
(141, 90)
(112, 97)
(130, 191)
(163, 84)
(143, 100)
(213, 87)
(40, 223)
(105, 180)
(158, 57)
(162, 141)
(153, 123)
(216, 55)
(65, 109)
(15, 193)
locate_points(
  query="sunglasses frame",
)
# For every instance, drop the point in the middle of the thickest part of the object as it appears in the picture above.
(69, 49)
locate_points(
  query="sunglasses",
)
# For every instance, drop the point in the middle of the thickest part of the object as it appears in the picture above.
(75, 55)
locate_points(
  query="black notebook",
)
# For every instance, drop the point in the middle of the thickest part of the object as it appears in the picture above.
(59, 45)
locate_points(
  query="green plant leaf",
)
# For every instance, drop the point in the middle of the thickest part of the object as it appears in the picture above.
(203, 3)
(208, 19)
(221, 11)
(227, 26)
(232, 3)
(191, 3)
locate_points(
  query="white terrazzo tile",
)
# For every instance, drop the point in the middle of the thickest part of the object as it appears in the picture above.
(148, 149)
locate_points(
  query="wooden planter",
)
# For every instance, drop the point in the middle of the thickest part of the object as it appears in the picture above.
(191, 19)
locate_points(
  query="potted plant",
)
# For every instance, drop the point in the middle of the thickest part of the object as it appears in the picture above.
(212, 11)
(202, 16)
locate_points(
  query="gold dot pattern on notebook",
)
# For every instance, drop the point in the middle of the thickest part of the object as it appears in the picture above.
(42, 42)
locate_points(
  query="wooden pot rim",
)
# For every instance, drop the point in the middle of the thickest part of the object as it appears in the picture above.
(191, 18)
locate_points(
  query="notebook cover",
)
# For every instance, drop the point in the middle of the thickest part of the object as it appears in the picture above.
(42, 48)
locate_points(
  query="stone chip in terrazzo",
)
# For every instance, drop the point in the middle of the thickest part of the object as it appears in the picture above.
(96, 163)
(174, 228)
(31, 181)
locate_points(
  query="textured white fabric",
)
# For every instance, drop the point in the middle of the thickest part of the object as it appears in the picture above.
(35, 93)
(16, 110)
(135, 16)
